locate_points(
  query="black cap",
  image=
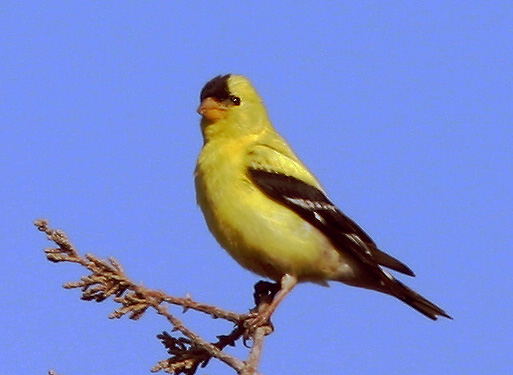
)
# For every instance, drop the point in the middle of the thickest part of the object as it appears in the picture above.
(216, 88)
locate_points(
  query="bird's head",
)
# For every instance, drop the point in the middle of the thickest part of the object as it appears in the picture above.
(230, 105)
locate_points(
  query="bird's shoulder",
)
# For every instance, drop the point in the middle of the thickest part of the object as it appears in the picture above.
(273, 154)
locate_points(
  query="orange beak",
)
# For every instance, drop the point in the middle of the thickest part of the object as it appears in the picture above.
(211, 109)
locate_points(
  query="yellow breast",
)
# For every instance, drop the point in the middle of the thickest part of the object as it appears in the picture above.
(258, 233)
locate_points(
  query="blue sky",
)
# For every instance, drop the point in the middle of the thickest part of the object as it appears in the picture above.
(402, 110)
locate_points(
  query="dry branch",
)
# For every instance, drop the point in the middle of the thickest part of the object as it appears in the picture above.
(189, 352)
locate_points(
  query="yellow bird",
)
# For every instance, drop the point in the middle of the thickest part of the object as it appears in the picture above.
(271, 214)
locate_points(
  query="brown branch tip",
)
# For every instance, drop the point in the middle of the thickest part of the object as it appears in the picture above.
(188, 352)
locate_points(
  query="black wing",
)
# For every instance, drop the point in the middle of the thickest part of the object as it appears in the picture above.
(313, 206)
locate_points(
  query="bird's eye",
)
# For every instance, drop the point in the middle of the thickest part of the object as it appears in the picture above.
(235, 100)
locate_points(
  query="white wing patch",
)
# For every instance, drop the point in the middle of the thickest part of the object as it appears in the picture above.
(311, 205)
(319, 217)
(357, 240)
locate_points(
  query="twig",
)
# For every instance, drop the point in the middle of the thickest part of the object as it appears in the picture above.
(232, 361)
(256, 350)
(108, 279)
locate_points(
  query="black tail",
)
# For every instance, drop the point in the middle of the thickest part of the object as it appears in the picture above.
(418, 302)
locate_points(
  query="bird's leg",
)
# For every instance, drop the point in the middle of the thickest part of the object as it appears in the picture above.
(287, 282)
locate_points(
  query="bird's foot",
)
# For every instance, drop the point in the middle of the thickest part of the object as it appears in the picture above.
(267, 297)
(257, 320)
(260, 315)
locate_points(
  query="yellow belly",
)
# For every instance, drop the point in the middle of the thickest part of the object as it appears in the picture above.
(261, 235)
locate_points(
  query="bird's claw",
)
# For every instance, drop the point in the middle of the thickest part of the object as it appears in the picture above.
(255, 321)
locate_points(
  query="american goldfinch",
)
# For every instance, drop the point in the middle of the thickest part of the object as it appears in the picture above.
(268, 210)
